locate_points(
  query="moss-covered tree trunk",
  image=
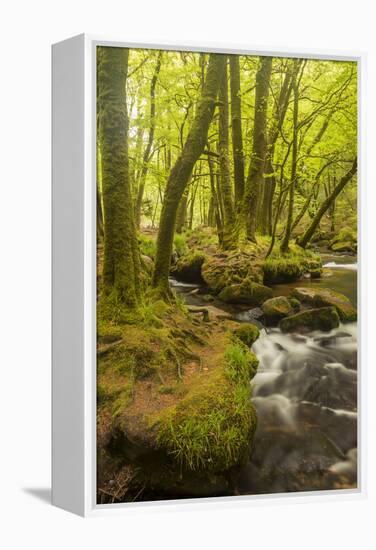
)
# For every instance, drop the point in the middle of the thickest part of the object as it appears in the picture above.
(255, 179)
(148, 153)
(121, 265)
(228, 236)
(326, 204)
(181, 217)
(180, 173)
(236, 129)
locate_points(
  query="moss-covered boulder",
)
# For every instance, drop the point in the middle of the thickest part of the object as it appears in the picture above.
(247, 333)
(319, 297)
(324, 318)
(285, 268)
(147, 263)
(343, 246)
(344, 241)
(188, 268)
(247, 293)
(276, 309)
(232, 267)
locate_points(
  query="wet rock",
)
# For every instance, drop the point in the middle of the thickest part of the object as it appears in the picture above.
(324, 318)
(247, 293)
(276, 309)
(326, 297)
(188, 268)
(343, 246)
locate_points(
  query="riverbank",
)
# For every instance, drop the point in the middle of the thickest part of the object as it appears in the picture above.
(172, 421)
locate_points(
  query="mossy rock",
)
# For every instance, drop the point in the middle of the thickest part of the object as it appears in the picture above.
(327, 297)
(188, 268)
(147, 263)
(231, 267)
(325, 319)
(276, 309)
(346, 234)
(247, 293)
(247, 333)
(295, 304)
(343, 246)
(285, 268)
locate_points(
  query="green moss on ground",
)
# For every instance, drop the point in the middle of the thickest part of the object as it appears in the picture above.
(211, 429)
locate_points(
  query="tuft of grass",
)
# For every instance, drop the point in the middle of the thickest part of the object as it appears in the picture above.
(240, 363)
(212, 427)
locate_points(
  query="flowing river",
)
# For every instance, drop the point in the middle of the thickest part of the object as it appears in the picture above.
(305, 393)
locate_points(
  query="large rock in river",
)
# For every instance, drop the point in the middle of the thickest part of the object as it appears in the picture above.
(276, 309)
(231, 267)
(247, 293)
(320, 297)
(324, 318)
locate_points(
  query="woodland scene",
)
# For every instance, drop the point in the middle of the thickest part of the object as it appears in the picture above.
(226, 274)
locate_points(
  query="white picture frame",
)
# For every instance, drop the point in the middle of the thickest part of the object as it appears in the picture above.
(74, 277)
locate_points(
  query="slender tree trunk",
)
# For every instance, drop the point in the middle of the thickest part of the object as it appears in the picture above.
(236, 127)
(100, 226)
(266, 222)
(326, 204)
(224, 165)
(255, 179)
(216, 204)
(181, 217)
(147, 153)
(121, 254)
(290, 213)
(179, 176)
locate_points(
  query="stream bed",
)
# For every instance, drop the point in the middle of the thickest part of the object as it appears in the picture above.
(305, 394)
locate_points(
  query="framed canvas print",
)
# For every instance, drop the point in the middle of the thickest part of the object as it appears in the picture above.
(206, 297)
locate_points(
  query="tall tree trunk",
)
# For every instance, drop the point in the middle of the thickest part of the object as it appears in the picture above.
(224, 165)
(216, 201)
(179, 176)
(290, 212)
(147, 153)
(326, 205)
(236, 127)
(266, 222)
(255, 179)
(121, 254)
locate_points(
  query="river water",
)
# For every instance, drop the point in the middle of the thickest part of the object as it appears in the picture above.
(305, 394)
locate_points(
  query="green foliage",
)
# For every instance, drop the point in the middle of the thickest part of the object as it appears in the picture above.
(147, 245)
(180, 244)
